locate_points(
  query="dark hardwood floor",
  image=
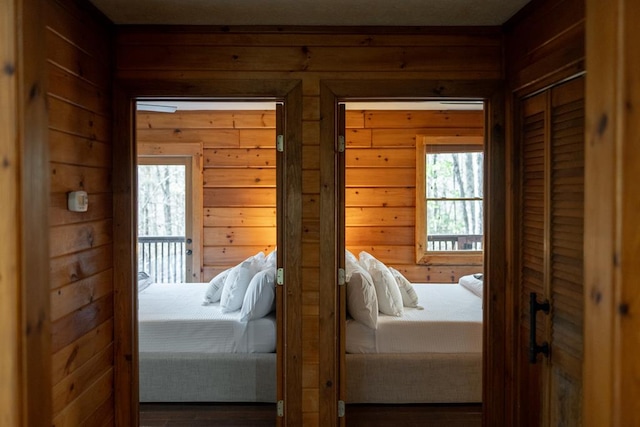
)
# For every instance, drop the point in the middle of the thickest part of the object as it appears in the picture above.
(264, 415)
(442, 415)
(204, 414)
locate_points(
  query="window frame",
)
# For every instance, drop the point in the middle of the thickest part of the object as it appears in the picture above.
(423, 255)
(189, 155)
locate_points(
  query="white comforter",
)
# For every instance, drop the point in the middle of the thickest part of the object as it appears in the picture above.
(172, 319)
(451, 322)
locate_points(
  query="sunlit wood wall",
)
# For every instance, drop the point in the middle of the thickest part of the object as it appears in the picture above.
(381, 184)
(81, 275)
(239, 179)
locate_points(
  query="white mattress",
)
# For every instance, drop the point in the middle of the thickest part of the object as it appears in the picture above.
(451, 322)
(172, 319)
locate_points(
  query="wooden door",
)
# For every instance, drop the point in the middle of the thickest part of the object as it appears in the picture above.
(550, 215)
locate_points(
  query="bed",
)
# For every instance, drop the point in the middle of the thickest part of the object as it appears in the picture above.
(431, 352)
(426, 356)
(429, 355)
(190, 352)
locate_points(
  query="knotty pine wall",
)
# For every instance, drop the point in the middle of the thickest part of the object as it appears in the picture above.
(239, 181)
(381, 184)
(79, 54)
(310, 55)
(239, 178)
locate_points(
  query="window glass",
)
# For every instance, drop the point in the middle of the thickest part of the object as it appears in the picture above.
(454, 190)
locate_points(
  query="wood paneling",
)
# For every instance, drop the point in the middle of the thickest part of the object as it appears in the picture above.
(544, 46)
(80, 273)
(545, 43)
(239, 177)
(26, 146)
(551, 253)
(191, 59)
(611, 246)
(381, 185)
(13, 391)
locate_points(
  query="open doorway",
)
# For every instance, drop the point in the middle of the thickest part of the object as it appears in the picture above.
(413, 179)
(494, 250)
(207, 259)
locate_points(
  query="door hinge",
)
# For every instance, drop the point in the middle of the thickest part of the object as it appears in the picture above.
(280, 276)
(280, 143)
(280, 408)
(341, 143)
(342, 277)
(341, 408)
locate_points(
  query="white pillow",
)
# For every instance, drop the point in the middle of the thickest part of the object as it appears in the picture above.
(473, 284)
(349, 257)
(362, 303)
(409, 295)
(387, 291)
(271, 260)
(260, 297)
(214, 290)
(237, 282)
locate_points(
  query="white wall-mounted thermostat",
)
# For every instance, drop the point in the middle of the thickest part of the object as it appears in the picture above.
(78, 201)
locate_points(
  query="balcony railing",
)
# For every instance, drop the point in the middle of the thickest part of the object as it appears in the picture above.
(162, 258)
(454, 242)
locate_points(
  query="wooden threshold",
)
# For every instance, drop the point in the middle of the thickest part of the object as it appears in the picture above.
(418, 415)
(208, 414)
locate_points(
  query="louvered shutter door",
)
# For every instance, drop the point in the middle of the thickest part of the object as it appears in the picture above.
(532, 232)
(567, 230)
(550, 259)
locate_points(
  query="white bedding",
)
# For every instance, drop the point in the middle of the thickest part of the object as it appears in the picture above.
(451, 322)
(172, 319)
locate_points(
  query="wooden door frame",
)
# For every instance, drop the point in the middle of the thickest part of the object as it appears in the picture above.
(126, 92)
(25, 321)
(495, 378)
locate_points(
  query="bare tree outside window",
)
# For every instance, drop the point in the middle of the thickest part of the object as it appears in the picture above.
(454, 201)
(161, 222)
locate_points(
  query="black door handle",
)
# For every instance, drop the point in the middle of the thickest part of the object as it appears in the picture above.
(534, 348)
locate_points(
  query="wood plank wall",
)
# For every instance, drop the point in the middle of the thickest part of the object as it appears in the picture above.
(381, 184)
(81, 275)
(239, 207)
(239, 181)
(311, 55)
(11, 386)
(544, 45)
(612, 390)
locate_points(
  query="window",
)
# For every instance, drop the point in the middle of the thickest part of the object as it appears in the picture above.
(170, 211)
(162, 219)
(449, 195)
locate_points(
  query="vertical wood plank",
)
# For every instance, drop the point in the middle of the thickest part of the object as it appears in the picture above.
(32, 122)
(124, 270)
(494, 313)
(601, 210)
(629, 305)
(11, 384)
(280, 240)
(329, 250)
(292, 233)
(611, 389)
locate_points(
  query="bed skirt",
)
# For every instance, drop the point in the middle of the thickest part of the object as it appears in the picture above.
(213, 377)
(371, 378)
(414, 378)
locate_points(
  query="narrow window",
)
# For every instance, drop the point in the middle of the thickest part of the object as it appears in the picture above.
(449, 192)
